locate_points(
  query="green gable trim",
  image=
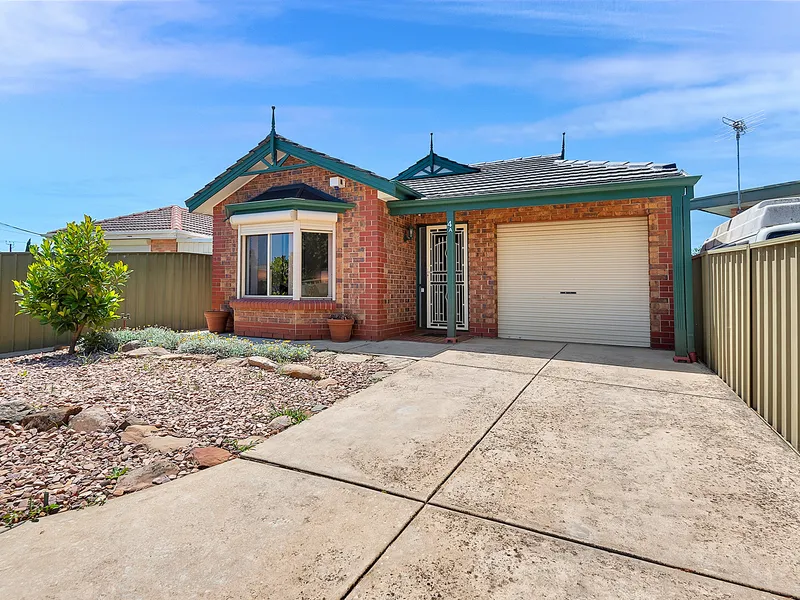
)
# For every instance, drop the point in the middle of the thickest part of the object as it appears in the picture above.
(261, 206)
(434, 165)
(270, 146)
(569, 195)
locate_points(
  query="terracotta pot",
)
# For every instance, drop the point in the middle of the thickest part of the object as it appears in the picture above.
(217, 320)
(341, 329)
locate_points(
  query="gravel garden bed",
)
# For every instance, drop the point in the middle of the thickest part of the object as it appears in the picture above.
(188, 402)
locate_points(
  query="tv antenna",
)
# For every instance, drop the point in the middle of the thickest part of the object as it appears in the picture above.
(739, 128)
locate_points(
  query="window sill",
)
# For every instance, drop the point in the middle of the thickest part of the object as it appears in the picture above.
(284, 304)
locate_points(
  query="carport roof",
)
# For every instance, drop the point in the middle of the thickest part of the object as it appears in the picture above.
(537, 173)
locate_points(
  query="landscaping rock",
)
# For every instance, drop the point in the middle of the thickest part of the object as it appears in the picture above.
(318, 408)
(94, 418)
(131, 419)
(134, 434)
(146, 351)
(233, 361)
(353, 358)
(48, 419)
(201, 358)
(301, 372)
(262, 363)
(13, 411)
(166, 443)
(281, 422)
(210, 456)
(328, 382)
(143, 477)
(251, 440)
(132, 345)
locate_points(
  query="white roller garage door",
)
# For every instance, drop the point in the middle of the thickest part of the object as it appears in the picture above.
(574, 281)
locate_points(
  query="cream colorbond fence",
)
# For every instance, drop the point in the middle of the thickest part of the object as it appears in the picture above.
(168, 289)
(747, 302)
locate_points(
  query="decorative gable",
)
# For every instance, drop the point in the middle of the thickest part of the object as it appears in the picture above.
(434, 165)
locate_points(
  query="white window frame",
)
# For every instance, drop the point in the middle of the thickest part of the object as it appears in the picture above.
(295, 222)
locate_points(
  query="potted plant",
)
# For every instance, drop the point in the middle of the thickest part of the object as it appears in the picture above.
(217, 320)
(341, 327)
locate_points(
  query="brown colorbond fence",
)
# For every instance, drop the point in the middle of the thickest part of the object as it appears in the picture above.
(747, 326)
(165, 288)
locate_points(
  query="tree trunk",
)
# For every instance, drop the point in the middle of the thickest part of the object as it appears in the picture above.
(76, 336)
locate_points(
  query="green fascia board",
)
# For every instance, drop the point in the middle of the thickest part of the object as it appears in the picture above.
(755, 195)
(393, 188)
(437, 161)
(274, 143)
(568, 195)
(260, 206)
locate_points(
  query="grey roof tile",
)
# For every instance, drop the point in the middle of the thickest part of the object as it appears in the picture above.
(166, 217)
(535, 173)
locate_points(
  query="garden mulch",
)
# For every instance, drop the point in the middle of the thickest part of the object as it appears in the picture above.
(215, 404)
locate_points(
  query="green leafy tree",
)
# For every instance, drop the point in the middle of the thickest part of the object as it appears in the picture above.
(71, 285)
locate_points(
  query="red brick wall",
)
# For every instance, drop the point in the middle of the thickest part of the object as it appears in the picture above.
(163, 245)
(482, 250)
(362, 267)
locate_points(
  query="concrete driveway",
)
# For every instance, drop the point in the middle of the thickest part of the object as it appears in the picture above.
(492, 469)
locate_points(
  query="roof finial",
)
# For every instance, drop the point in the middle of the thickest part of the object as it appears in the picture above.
(563, 144)
(431, 142)
(273, 121)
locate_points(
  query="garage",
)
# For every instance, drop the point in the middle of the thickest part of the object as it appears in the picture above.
(575, 281)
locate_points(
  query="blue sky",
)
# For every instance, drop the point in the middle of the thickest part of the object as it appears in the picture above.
(112, 107)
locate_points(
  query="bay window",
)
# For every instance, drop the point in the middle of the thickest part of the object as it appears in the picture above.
(287, 264)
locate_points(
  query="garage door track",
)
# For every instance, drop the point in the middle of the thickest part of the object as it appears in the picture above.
(491, 469)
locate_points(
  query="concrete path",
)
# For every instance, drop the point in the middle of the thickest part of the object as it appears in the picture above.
(491, 469)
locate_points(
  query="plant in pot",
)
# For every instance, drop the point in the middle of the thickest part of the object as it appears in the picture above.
(341, 326)
(217, 320)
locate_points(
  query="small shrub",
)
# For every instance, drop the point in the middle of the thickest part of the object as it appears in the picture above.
(295, 414)
(149, 336)
(70, 284)
(98, 340)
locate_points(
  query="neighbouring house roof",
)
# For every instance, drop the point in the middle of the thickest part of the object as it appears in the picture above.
(535, 173)
(166, 218)
(726, 204)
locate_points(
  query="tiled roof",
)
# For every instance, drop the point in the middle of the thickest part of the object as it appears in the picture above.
(166, 218)
(535, 173)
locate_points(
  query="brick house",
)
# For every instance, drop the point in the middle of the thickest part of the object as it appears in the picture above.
(530, 248)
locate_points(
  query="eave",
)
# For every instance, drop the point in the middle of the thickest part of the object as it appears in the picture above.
(566, 195)
(721, 204)
(261, 206)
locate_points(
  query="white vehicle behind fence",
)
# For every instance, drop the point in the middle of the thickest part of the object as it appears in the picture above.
(766, 220)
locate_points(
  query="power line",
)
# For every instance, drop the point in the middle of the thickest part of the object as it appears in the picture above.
(21, 229)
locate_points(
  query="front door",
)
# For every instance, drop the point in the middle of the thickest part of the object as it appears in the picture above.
(436, 277)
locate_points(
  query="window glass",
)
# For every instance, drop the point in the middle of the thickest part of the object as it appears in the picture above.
(256, 265)
(315, 268)
(280, 263)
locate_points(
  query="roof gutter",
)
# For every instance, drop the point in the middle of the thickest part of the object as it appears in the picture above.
(567, 195)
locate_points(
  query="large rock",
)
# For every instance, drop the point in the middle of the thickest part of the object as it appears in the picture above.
(232, 362)
(210, 456)
(134, 434)
(48, 419)
(143, 477)
(147, 351)
(327, 382)
(13, 411)
(301, 372)
(281, 422)
(353, 358)
(94, 418)
(132, 345)
(262, 363)
(166, 443)
(201, 358)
